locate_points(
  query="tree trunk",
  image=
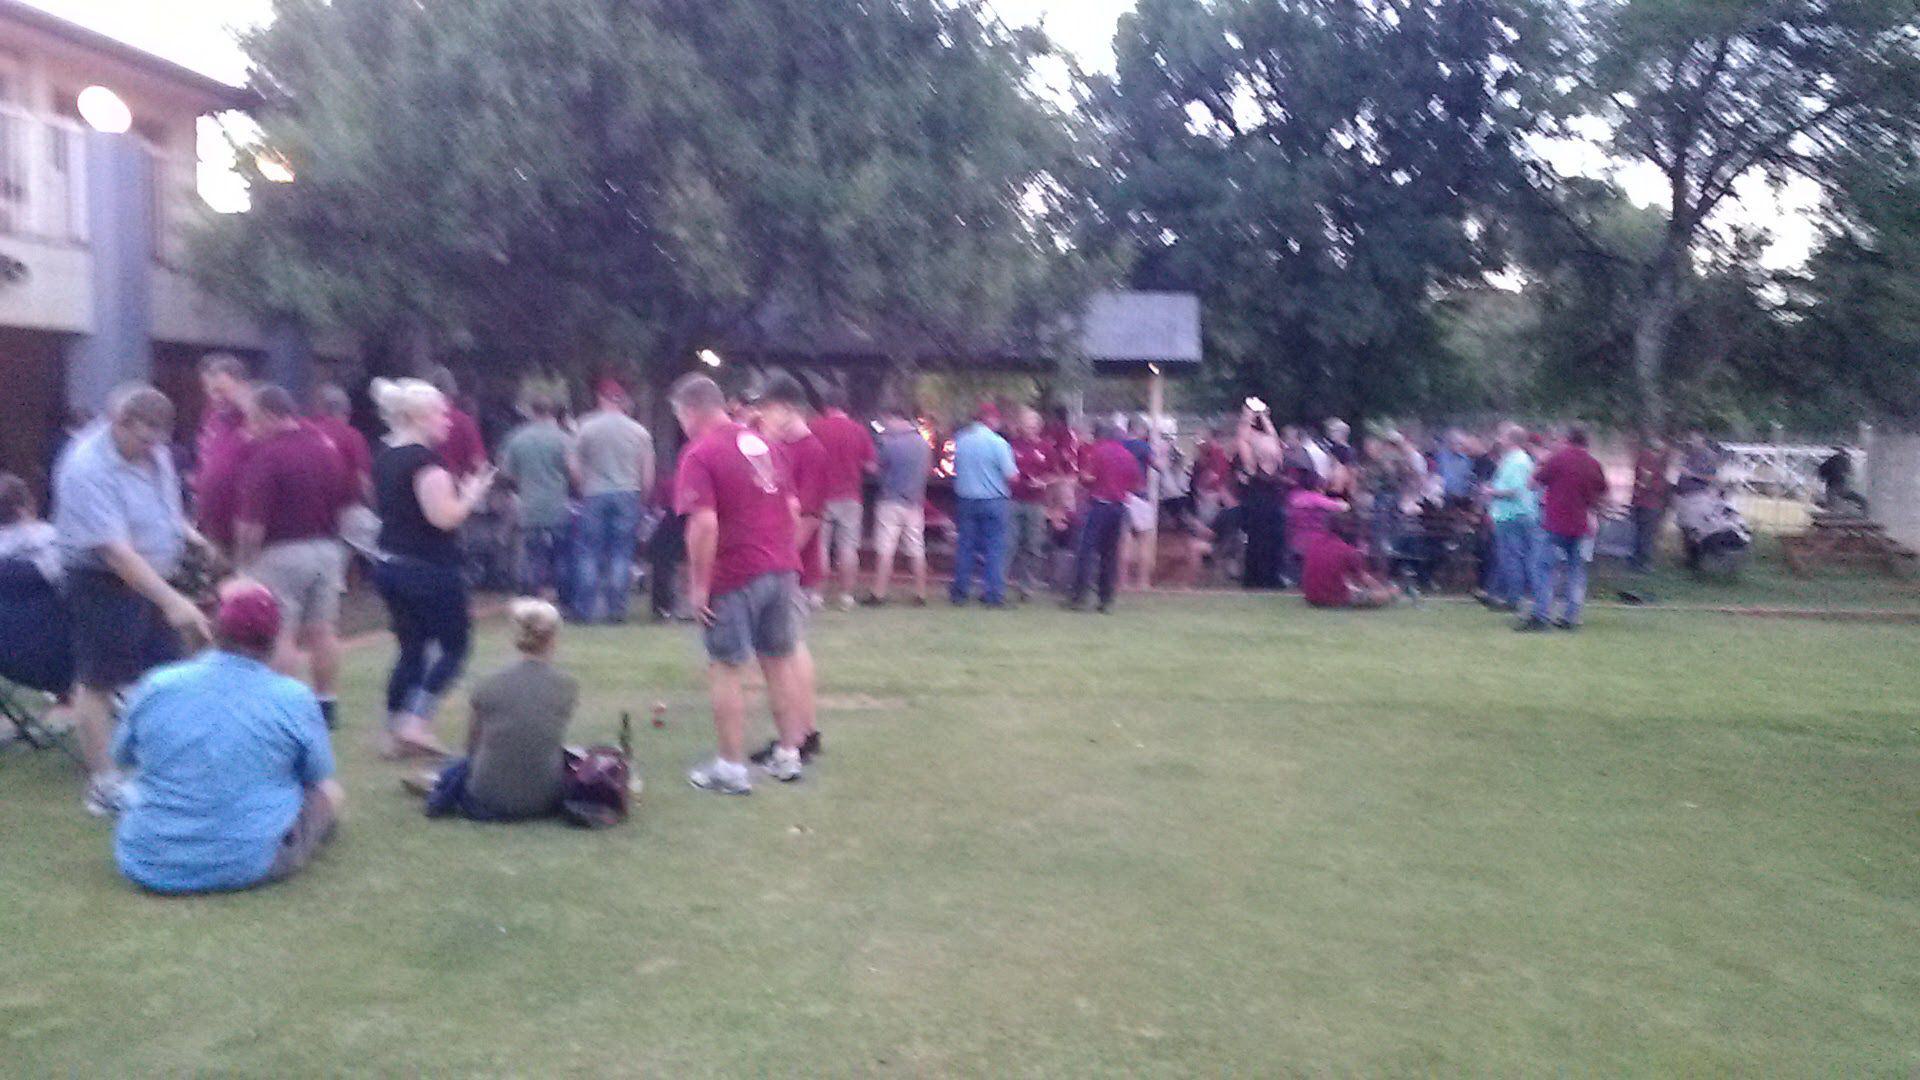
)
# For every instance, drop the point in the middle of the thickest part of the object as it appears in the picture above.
(1651, 335)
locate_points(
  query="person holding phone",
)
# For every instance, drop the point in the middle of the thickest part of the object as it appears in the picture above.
(1263, 497)
(420, 572)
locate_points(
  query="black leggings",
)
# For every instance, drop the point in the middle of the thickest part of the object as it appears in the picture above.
(427, 604)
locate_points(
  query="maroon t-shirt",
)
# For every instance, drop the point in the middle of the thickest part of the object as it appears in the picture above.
(351, 445)
(1574, 485)
(464, 452)
(294, 484)
(1112, 472)
(1328, 571)
(1036, 459)
(220, 450)
(849, 447)
(733, 472)
(805, 462)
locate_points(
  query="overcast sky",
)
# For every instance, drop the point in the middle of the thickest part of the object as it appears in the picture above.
(199, 34)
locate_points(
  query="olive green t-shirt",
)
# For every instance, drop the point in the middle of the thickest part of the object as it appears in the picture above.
(522, 715)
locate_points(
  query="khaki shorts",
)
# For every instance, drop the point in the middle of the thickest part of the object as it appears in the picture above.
(841, 525)
(900, 526)
(306, 577)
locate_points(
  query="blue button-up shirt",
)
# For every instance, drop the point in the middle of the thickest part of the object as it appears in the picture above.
(100, 497)
(982, 464)
(224, 749)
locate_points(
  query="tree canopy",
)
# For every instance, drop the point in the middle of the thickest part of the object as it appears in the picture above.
(572, 179)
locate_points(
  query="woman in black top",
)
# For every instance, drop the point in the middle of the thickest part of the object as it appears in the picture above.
(419, 571)
(1263, 494)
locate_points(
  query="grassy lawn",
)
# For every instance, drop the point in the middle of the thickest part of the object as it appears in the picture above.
(1765, 582)
(1204, 836)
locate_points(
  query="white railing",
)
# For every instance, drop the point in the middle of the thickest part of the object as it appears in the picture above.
(43, 186)
(1777, 485)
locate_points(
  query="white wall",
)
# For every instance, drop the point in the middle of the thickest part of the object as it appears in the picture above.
(184, 314)
(57, 292)
(1893, 481)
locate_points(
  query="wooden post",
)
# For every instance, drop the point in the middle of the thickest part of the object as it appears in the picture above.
(1156, 409)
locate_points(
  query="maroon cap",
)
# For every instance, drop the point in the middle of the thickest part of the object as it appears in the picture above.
(610, 388)
(989, 413)
(248, 616)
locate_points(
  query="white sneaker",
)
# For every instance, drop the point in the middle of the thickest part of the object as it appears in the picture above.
(108, 795)
(846, 603)
(721, 778)
(784, 765)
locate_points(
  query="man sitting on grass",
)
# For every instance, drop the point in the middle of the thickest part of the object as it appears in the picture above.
(1334, 573)
(235, 776)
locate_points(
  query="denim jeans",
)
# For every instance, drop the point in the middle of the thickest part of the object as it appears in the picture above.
(1099, 542)
(1515, 555)
(1027, 548)
(543, 559)
(1646, 534)
(983, 527)
(1563, 571)
(609, 533)
(427, 604)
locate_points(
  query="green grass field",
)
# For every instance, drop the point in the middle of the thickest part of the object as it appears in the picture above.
(1204, 836)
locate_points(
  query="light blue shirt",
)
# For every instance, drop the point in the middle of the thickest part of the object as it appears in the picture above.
(225, 749)
(982, 464)
(1515, 474)
(100, 497)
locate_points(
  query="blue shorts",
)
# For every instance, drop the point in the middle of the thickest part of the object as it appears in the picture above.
(757, 619)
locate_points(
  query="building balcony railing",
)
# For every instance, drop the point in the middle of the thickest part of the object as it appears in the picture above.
(43, 187)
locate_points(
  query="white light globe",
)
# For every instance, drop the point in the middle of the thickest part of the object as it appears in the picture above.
(103, 111)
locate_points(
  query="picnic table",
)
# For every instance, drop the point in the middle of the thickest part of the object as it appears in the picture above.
(1849, 540)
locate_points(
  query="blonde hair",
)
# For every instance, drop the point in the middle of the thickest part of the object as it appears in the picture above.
(401, 401)
(535, 624)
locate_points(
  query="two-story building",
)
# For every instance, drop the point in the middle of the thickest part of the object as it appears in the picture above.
(92, 228)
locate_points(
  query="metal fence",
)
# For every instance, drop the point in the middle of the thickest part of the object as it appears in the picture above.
(1777, 485)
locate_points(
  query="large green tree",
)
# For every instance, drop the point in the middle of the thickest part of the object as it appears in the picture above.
(1316, 170)
(558, 179)
(1713, 92)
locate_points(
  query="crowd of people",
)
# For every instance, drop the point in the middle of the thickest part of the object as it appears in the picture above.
(219, 767)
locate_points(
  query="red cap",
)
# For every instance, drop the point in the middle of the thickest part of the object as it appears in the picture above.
(610, 387)
(248, 616)
(989, 413)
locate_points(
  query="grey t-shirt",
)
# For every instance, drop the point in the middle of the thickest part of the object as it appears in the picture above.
(904, 461)
(614, 449)
(99, 498)
(535, 459)
(522, 713)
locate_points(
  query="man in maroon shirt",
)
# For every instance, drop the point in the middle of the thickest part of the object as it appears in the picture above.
(464, 452)
(332, 417)
(221, 445)
(1334, 572)
(1573, 486)
(849, 447)
(742, 566)
(1651, 490)
(1038, 463)
(1111, 474)
(782, 418)
(291, 490)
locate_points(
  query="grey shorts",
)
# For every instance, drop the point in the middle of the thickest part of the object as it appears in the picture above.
(841, 522)
(757, 619)
(311, 831)
(306, 577)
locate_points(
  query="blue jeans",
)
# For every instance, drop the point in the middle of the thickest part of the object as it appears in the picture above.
(543, 558)
(983, 525)
(1515, 556)
(609, 533)
(1562, 565)
(1099, 544)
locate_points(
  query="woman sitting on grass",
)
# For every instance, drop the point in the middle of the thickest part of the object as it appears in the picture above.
(513, 767)
(23, 535)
